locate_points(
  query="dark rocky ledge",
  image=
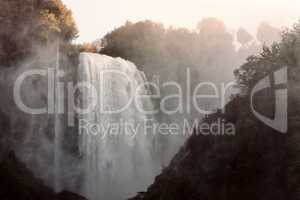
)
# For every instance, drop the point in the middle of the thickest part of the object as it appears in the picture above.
(19, 183)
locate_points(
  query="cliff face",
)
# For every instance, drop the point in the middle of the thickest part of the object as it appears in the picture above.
(17, 182)
(255, 163)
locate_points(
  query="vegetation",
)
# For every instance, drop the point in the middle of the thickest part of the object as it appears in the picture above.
(258, 162)
(243, 36)
(152, 46)
(284, 53)
(27, 23)
(267, 34)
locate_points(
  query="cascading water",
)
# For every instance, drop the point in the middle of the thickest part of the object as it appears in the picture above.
(57, 128)
(114, 143)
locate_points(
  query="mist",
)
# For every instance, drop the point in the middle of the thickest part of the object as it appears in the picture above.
(193, 70)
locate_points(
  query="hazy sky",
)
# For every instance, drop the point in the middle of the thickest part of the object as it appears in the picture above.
(97, 17)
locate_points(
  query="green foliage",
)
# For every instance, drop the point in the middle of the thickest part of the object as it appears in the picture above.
(152, 46)
(135, 41)
(284, 53)
(258, 162)
(258, 66)
(26, 23)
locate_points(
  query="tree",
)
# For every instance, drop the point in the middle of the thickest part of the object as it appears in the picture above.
(88, 47)
(28, 22)
(267, 34)
(153, 47)
(243, 36)
(284, 53)
(141, 42)
(211, 27)
(215, 49)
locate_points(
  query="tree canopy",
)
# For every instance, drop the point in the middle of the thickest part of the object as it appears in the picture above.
(29, 22)
(151, 46)
(267, 34)
(283, 53)
(243, 36)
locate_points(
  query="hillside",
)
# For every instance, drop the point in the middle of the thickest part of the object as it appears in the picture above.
(256, 163)
(17, 182)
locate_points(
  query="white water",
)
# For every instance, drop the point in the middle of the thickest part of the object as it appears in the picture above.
(115, 166)
(57, 130)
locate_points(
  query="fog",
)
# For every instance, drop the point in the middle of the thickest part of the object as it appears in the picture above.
(195, 50)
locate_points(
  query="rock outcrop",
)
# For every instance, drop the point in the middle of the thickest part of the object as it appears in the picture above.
(18, 183)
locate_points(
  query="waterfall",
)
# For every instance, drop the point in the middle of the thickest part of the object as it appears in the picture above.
(58, 99)
(116, 163)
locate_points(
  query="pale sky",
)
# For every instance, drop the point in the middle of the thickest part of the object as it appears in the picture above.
(95, 18)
